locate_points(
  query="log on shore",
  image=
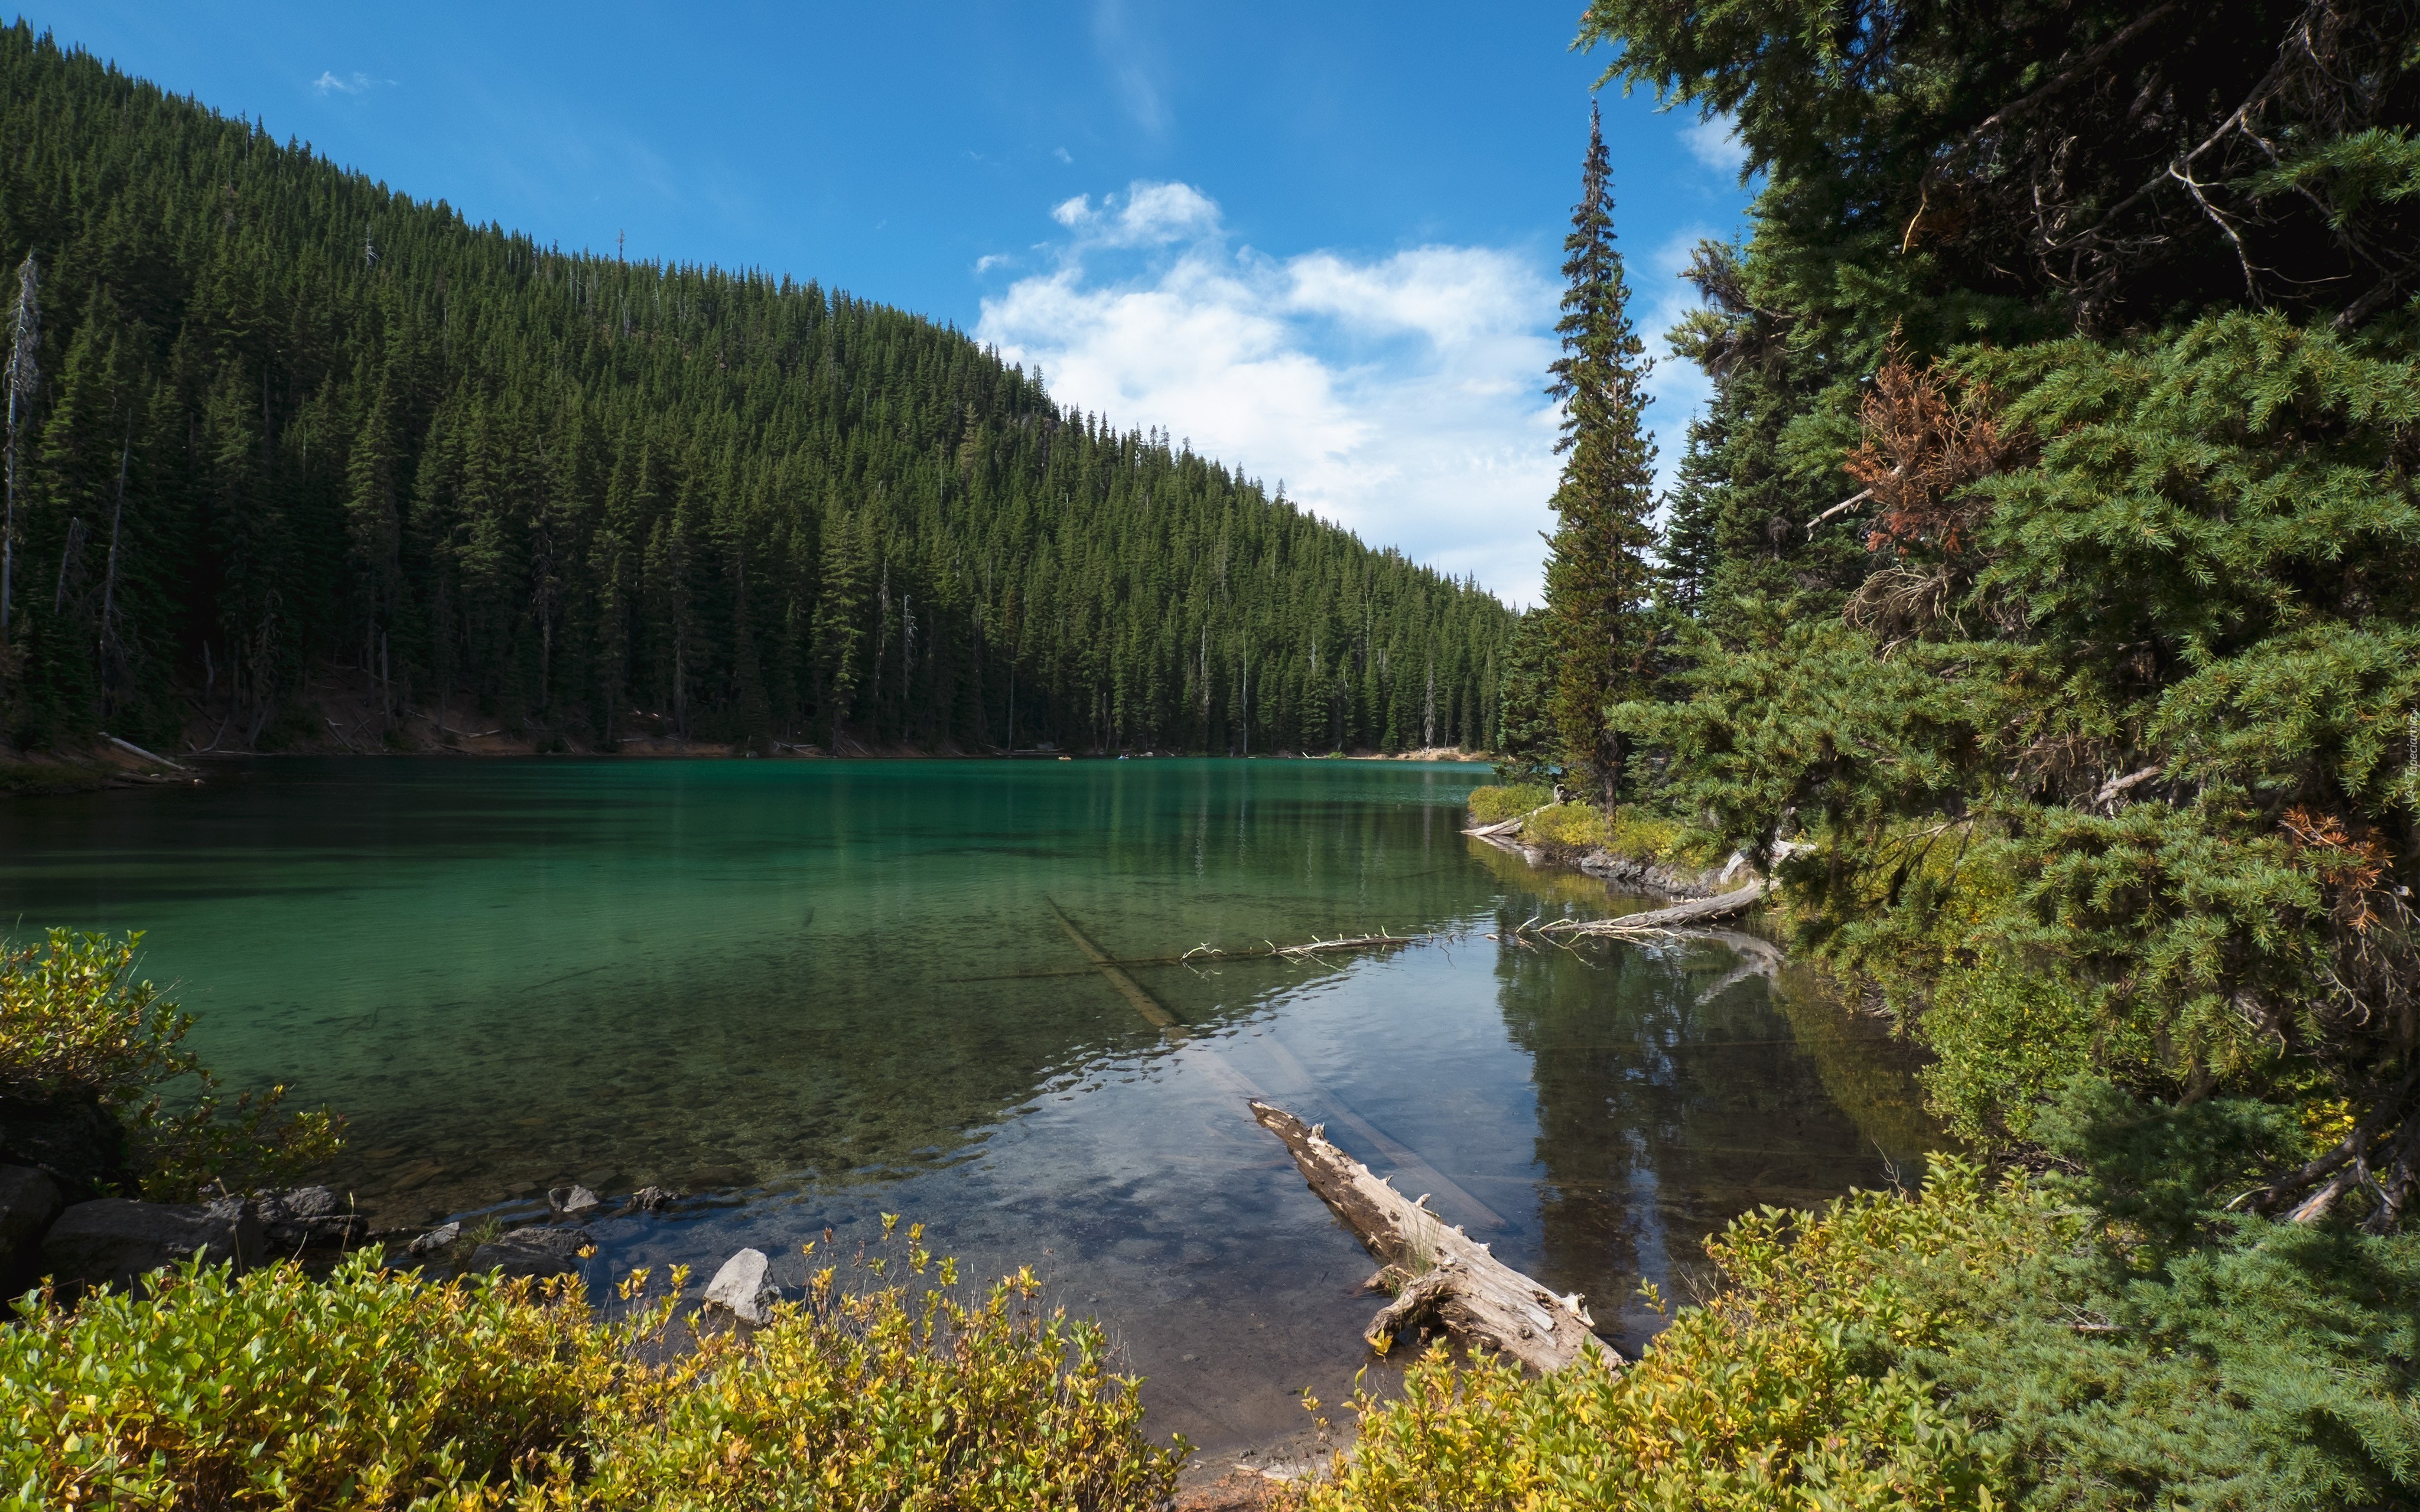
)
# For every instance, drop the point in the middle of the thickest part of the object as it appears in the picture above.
(1695, 911)
(1444, 1274)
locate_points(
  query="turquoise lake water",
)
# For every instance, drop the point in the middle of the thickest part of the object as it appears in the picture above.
(814, 992)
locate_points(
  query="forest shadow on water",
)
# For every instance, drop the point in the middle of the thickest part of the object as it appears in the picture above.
(815, 992)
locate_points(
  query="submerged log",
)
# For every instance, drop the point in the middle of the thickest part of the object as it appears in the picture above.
(1408, 1162)
(1444, 1274)
(1141, 1001)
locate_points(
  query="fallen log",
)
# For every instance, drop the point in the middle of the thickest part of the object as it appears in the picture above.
(1441, 1272)
(1507, 826)
(1695, 911)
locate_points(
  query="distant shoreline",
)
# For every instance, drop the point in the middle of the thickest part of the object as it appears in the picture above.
(104, 763)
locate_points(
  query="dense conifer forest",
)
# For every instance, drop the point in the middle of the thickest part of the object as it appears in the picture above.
(2041, 605)
(274, 421)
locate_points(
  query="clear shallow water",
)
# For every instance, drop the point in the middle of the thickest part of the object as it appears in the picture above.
(827, 990)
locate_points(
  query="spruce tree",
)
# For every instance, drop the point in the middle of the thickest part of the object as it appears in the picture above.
(1598, 577)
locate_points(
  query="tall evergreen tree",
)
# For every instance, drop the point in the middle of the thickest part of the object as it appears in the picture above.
(1598, 577)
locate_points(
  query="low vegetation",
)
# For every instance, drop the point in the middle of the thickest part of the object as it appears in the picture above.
(1569, 826)
(377, 1389)
(76, 1021)
(2042, 1342)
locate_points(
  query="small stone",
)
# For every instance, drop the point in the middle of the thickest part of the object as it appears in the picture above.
(533, 1252)
(653, 1199)
(572, 1198)
(113, 1241)
(29, 1199)
(739, 1286)
(442, 1237)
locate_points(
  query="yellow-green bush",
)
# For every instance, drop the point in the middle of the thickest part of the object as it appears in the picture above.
(1569, 826)
(1492, 805)
(1778, 1394)
(381, 1390)
(75, 1018)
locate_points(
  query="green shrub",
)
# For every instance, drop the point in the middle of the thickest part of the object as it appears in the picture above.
(1780, 1393)
(898, 1397)
(1566, 826)
(76, 1019)
(2111, 1340)
(1493, 805)
(271, 1390)
(383, 1390)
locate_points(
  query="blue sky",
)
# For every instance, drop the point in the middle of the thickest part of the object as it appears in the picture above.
(1320, 241)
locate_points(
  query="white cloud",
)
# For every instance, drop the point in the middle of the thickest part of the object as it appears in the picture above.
(1714, 140)
(1062, 155)
(330, 83)
(988, 261)
(1153, 215)
(1399, 396)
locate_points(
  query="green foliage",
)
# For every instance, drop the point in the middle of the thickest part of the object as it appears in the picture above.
(1598, 581)
(1571, 826)
(575, 495)
(377, 1389)
(1526, 738)
(1969, 1346)
(1781, 1392)
(1493, 805)
(75, 1020)
(273, 1390)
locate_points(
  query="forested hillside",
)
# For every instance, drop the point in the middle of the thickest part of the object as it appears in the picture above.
(278, 421)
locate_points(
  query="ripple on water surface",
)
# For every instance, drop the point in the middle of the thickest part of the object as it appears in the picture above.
(828, 989)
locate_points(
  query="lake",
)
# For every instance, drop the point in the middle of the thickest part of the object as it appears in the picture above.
(814, 992)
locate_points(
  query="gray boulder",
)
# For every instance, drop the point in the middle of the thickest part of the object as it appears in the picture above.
(740, 1287)
(308, 1217)
(29, 1199)
(533, 1252)
(111, 1240)
(440, 1237)
(572, 1198)
(79, 1142)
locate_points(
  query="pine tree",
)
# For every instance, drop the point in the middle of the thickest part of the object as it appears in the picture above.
(1598, 577)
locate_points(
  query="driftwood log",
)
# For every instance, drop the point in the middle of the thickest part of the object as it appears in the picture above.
(1440, 1272)
(1695, 911)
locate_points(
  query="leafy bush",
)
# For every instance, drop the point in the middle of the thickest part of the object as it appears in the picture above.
(1575, 827)
(75, 1020)
(2109, 1340)
(382, 1390)
(1493, 805)
(271, 1390)
(1779, 1393)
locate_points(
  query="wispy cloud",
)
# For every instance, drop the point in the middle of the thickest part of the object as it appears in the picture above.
(1714, 140)
(1062, 155)
(1133, 66)
(1397, 395)
(331, 82)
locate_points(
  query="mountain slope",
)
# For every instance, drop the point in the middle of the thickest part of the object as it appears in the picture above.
(293, 424)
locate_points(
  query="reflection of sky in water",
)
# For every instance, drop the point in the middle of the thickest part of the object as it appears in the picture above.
(830, 990)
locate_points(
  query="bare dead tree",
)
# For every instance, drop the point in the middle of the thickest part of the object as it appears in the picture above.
(25, 339)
